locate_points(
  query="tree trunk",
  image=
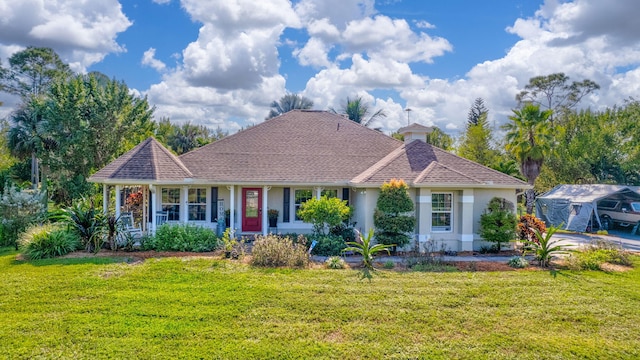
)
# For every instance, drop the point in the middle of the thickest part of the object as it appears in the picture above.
(35, 171)
(530, 199)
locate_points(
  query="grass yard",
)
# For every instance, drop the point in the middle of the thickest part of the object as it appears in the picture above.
(203, 308)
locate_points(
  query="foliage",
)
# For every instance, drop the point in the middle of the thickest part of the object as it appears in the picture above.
(31, 71)
(327, 245)
(88, 223)
(189, 307)
(594, 255)
(277, 251)
(186, 137)
(47, 241)
(439, 138)
(544, 248)
(287, 103)
(529, 139)
(93, 120)
(518, 262)
(335, 262)
(183, 237)
(428, 258)
(553, 92)
(18, 210)
(364, 246)
(476, 143)
(525, 227)
(357, 110)
(324, 212)
(498, 222)
(393, 215)
(272, 214)
(389, 264)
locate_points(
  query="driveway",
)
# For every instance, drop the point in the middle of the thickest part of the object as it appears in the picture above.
(623, 238)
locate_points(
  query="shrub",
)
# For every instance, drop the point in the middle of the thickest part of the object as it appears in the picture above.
(18, 211)
(393, 216)
(498, 222)
(88, 223)
(335, 262)
(544, 248)
(324, 212)
(389, 264)
(328, 245)
(365, 247)
(518, 262)
(525, 227)
(276, 251)
(597, 253)
(170, 237)
(48, 241)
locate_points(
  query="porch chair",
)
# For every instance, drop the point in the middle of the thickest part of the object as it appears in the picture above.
(130, 231)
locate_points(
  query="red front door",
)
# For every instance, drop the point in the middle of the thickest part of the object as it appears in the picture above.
(252, 209)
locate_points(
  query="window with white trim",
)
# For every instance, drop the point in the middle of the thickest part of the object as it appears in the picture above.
(300, 196)
(171, 203)
(330, 193)
(197, 204)
(441, 212)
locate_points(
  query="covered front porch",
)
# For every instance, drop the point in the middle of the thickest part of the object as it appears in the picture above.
(244, 209)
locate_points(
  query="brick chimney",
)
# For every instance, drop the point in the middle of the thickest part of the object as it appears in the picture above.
(415, 132)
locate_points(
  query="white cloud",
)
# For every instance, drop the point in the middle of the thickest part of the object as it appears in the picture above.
(148, 59)
(81, 32)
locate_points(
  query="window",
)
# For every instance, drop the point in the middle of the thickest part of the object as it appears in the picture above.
(331, 193)
(635, 206)
(607, 204)
(575, 209)
(300, 197)
(171, 203)
(197, 204)
(441, 211)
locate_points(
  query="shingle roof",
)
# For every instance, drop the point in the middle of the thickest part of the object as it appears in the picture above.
(419, 163)
(147, 161)
(300, 146)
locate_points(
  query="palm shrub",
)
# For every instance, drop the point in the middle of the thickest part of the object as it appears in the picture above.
(544, 248)
(393, 216)
(18, 210)
(498, 222)
(365, 247)
(324, 212)
(276, 251)
(88, 224)
(47, 241)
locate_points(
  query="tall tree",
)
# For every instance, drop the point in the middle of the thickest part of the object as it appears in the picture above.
(357, 110)
(554, 92)
(477, 112)
(440, 139)
(187, 137)
(31, 71)
(25, 135)
(529, 139)
(93, 120)
(477, 139)
(287, 103)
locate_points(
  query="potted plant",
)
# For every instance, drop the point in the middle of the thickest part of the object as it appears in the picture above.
(272, 214)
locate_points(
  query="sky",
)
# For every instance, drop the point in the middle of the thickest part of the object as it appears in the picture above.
(221, 63)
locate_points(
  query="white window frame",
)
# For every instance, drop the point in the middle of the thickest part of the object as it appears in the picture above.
(179, 203)
(295, 206)
(442, 229)
(324, 192)
(190, 204)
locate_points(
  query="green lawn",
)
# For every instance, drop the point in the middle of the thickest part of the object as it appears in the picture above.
(202, 308)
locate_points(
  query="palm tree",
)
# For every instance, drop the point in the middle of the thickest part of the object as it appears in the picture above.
(529, 139)
(358, 111)
(24, 136)
(287, 103)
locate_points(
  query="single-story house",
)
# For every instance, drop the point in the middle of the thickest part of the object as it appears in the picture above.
(284, 161)
(575, 207)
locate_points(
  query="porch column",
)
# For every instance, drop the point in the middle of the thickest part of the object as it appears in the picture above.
(232, 210)
(318, 192)
(118, 202)
(154, 209)
(265, 204)
(423, 215)
(467, 220)
(184, 204)
(105, 199)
